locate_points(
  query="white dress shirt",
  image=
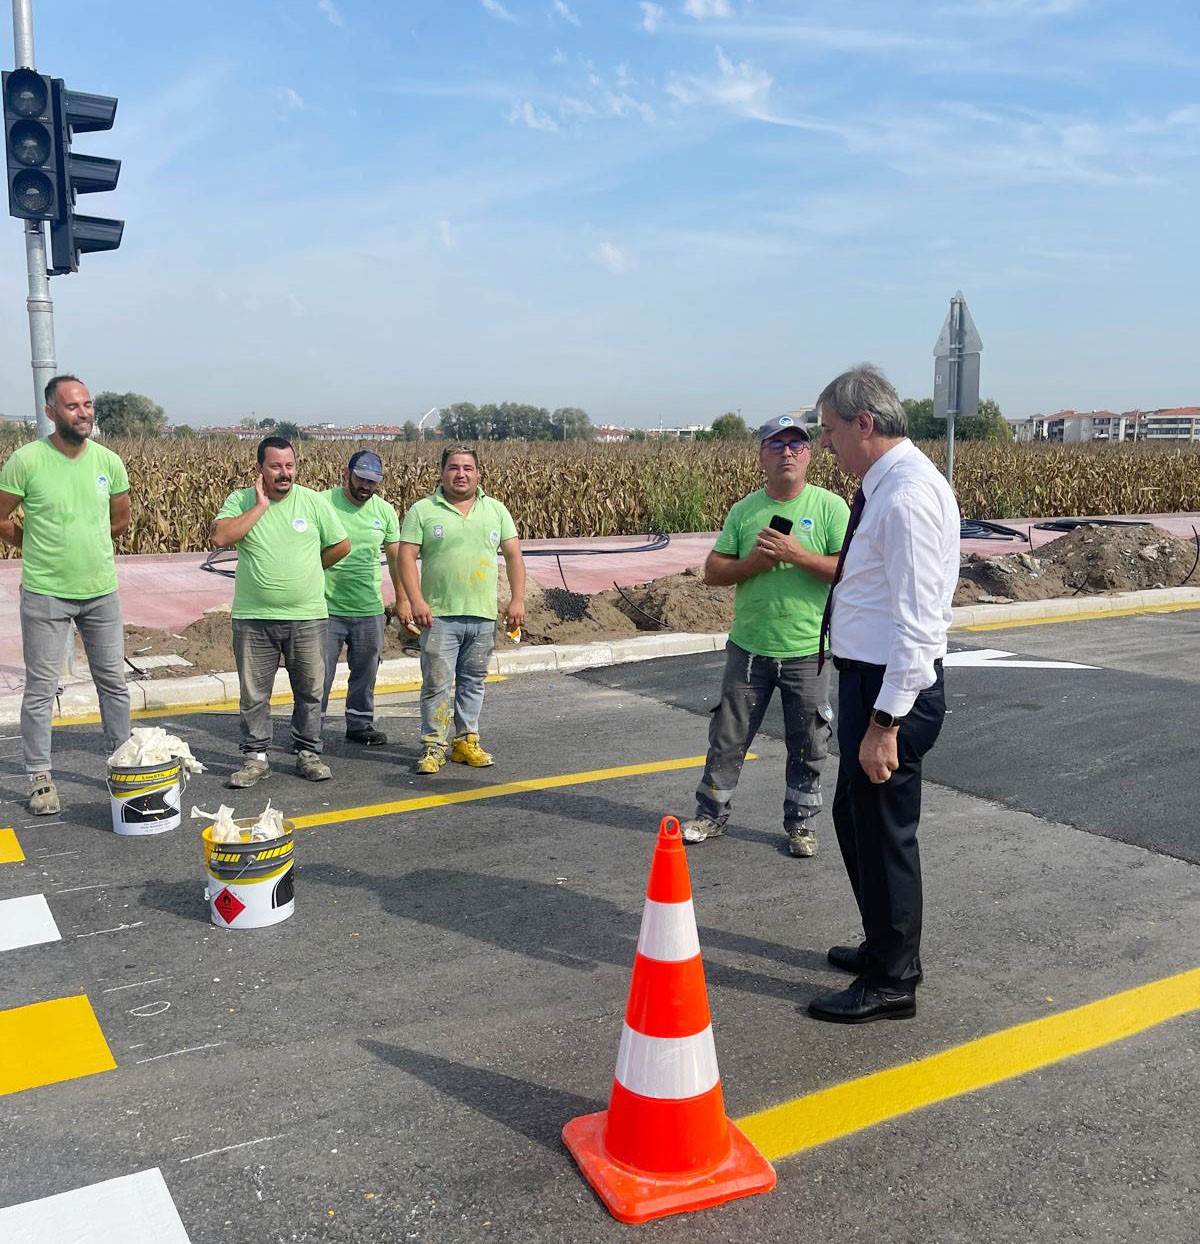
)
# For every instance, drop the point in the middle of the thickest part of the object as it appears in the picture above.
(892, 606)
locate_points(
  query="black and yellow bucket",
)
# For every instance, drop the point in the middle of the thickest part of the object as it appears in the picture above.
(146, 798)
(249, 883)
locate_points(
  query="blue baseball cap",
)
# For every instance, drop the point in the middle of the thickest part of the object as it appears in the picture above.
(779, 425)
(366, 465)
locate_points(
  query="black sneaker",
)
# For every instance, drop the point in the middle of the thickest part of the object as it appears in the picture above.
(370, 737)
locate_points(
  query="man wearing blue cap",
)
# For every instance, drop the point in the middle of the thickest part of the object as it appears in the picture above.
(778, 550)
(353, 592)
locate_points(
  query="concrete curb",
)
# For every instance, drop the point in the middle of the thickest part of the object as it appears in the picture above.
(221, 690)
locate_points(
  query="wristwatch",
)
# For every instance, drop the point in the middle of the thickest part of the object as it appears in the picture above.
(886, 721)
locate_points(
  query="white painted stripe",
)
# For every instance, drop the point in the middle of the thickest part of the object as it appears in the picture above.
(133, 1209)
(669, 931)
(26, 922)
(667, 1067)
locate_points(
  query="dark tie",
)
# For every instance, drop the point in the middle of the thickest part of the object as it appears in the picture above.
(856, 513)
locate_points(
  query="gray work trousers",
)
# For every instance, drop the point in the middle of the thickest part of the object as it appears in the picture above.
(45, 625)
(363, 640)
(746, 691)
(258, 645)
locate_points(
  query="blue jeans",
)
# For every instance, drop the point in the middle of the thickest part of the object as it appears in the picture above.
(45, 624)
(454, 660)
(363, 639)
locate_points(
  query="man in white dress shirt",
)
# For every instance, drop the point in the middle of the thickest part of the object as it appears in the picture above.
(889, 612)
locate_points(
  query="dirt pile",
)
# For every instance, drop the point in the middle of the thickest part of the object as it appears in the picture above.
(1087, 560)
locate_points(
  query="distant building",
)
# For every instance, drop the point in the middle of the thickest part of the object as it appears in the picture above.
(1178, 423)
(316, 432)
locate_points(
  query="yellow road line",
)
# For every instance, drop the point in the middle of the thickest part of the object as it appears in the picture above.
(10, 847)
(422, 802)
(844, 1108)
(231, 706)
(1092, 616)
(49, 1042)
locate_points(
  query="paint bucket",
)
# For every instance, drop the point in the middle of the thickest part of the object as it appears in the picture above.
(146, 798)
(249, 883)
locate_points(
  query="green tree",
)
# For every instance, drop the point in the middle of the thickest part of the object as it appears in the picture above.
(248, 422)
(129, 414)
(183, 431)
(462, 422)
(268, 422)
(289, 431)
(728, 427)
(570, 423)
(922, 426)
(410, 430)
(988, 425)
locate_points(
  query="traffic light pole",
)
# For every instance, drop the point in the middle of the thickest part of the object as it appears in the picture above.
(39, 303)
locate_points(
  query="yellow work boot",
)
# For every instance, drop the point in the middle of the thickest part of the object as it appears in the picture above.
(432, 758)
(466, 751)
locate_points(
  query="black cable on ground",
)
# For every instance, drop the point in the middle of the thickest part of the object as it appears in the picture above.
(659, 540)
(635, 605)
(980, 529)
(1070, 524)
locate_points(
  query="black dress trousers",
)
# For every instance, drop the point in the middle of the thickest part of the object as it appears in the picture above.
(877, 824)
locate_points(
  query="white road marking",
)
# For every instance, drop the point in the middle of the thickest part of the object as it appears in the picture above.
(117, 988)
(137, 924)
(26, 922)
(149, 1009)
(103, 885)
(134, 1209)
(996, 658)
(262, 1140)
(191, 1049)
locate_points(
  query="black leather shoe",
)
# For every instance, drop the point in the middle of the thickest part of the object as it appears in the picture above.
(864, 1002)
(852, 959)
(370, 737)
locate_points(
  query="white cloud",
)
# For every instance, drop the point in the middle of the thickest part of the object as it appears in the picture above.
(444, 234)
(331, 11)
(528, 115)
(702, 9)
(292, 100)
(1013, 8)
(612, 257)
(560, 7)
(652, 16)
(496, 9)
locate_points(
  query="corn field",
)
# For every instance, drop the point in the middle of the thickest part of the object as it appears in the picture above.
(557, 490)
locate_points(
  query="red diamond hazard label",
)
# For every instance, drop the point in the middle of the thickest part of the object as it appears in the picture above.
(228, 906)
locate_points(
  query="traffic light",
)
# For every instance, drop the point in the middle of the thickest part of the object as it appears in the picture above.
(72, 235)
(31, 143)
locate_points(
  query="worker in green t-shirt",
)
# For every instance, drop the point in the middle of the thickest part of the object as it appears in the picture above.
(286, 536)
(778, 550)
(75, 497)
(353, 592)
(458, 532)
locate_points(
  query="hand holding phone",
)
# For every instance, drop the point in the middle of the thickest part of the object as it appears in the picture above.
(780, 524)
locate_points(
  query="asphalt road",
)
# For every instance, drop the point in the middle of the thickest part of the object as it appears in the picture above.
(396, 1061)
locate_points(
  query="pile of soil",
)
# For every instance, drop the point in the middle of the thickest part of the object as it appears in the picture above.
(1087, 560)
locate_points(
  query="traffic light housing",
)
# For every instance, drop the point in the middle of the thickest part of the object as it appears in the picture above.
(32, 146)
(71, 234)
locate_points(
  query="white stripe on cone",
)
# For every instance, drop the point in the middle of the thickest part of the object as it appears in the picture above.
(670, 1068)
(669, 932)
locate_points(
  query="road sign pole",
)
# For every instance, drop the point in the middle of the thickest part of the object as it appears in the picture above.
(955, 366)
(39, 304)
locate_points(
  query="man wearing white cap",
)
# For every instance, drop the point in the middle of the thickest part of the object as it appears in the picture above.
(778, 550)
(353, 592)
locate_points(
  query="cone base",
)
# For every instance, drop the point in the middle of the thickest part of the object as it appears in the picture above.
(639, 1196)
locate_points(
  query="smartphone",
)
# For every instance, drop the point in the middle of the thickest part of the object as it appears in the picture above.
(780, 524)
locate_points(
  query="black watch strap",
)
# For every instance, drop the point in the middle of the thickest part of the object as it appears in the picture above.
(886, 721)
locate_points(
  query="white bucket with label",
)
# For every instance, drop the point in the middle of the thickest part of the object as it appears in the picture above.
(249, 884)
(146, 798)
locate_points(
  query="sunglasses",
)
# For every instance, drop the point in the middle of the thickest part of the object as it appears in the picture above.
(780, 447)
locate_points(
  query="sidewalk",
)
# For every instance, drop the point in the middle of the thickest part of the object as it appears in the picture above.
(170, 591)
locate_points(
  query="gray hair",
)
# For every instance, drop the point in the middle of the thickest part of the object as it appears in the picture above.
(865, 390)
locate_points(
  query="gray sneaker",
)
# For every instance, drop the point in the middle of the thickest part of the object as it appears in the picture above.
(312, 768)
(699, 828)
(253, 770)
(43, 795)
(802, 842)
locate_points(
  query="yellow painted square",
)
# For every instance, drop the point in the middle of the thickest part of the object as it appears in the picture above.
(10, 848)
(49, 1042)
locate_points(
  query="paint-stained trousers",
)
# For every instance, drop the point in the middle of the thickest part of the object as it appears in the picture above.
(455, 653)
(746, 691)
(45, 625)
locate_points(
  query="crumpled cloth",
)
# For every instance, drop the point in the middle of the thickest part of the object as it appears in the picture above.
(152, 745)
(226, 829)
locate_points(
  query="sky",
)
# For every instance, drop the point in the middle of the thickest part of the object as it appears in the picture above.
(356, 210)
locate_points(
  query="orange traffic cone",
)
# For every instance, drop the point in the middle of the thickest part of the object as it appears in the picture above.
(664, 1145)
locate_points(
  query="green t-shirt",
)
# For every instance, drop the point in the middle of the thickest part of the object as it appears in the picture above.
(67, 548)
(458, 553)
(778, 613)
(279, 574)
(353, 585)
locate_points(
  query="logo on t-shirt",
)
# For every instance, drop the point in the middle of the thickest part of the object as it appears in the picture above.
(299, 524)
(101, 481)
(377, 523)
(494, 537)
(807, 524)
(439, 531)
